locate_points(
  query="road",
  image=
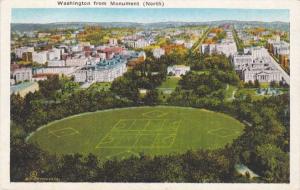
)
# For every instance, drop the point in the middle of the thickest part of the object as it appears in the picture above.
(200, 41)
(285, 76)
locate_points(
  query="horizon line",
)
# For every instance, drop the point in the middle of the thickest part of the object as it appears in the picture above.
(147, 22)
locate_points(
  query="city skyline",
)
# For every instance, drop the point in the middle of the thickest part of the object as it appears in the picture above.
(46, 15)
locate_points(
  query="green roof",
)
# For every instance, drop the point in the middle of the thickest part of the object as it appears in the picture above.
(21, 86)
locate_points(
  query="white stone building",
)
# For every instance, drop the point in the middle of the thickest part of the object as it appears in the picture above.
(76, 48)
(68, 71)
(104, 71)
(188, 45)
(158, 52)
(19, 51)
(39, 57)
(56, 63)
(259, 52)
(54, 54)
(257, 65)
(178, 70)
(280, 47)
(113, 42)
(76, 61)
(140, 43)
(21, 74)
(227, 46)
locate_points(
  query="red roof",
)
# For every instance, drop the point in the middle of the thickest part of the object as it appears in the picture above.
(113, 50)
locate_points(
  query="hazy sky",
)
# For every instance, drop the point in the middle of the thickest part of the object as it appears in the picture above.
(145, 15)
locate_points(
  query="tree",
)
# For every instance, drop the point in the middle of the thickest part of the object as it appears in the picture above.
(272, 163)
(151, 97)
(17, 108)
(49, 87)
(273, 84)
(125, 88)
(256, 84)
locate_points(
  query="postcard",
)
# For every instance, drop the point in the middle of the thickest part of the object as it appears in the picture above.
(150, 94)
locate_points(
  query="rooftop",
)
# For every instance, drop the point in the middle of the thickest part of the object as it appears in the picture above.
(21, 86)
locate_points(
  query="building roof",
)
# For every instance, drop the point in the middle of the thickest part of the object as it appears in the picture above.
(106, 64)
(21, 86)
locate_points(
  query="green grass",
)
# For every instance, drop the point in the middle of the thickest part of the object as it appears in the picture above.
(119, 133)
(167, 87)
(170, 83)
(230, 91)
(99, 86)
(264, 85)
(201, 72)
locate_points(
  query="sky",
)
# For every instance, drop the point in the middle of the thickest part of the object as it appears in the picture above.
(50, 15)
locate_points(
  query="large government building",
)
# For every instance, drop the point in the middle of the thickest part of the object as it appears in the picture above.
(103, 71)
(257, 64)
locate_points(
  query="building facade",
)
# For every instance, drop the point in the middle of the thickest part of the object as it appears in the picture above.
(256, 65)
(39, 57)
(178, 70)
(158, 52)
(21, 74)
(104, 71)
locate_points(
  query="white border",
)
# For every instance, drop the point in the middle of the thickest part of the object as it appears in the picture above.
(292, 5)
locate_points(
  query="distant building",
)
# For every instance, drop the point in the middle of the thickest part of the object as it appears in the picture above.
(19, 51)
(178, 70)
(82, 44)
(54, 54)
(257, 65)
(102, 56)
(56, 63)
(279, 47)
(104, 71)
(259, 52)
(27, 56)
(140, 43)
(261, 71)
(112, 51)
(76, 61)
(21, 74)
(76, 48)
(113, 42)
(93, 60)
(40, 77)
(158, 52)
(179, 42)
(43, 34)
(24, 88)
(227, 46)
(228, 49)
(68, 71)
(188, 45)
(39, 57)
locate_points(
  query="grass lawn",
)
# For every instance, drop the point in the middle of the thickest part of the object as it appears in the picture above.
(98, 86)
(201, 72)
(170, 83)
(230, 91)
(167, 87)
(119, 133)
(264, 85)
